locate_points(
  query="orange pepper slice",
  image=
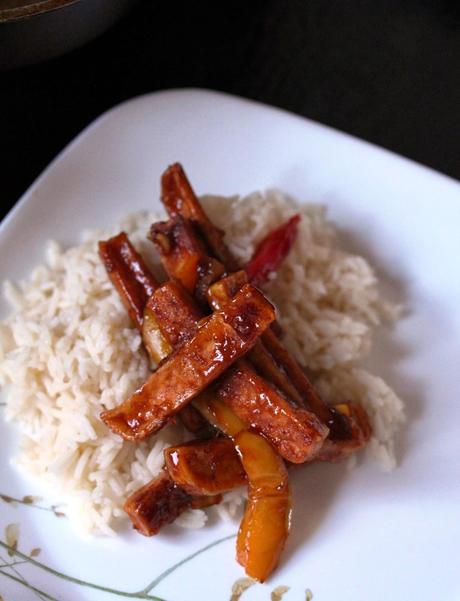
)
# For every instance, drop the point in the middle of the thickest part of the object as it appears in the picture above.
(266, 521)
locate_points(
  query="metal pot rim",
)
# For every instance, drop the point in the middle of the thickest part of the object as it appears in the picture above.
(33, 9)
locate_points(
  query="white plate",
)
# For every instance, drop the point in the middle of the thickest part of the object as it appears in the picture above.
(357, 535)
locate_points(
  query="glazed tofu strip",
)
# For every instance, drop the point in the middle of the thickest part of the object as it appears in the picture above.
(160, 502)
(179, 199)
(176, 311)
(185, 257)
(221, 339)
(135, 284)
(209, 467)
(348, 422)
(296, 434)
(335, 421)
(360, 432)
(129, 274)
(156, 504)
(218, 294)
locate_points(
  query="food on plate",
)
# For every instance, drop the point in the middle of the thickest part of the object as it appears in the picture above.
(120, 258)
(202, 393)
(207, 467)
(277, 365)
(184, 256)
(219, 341)
(176, 318)
(306, 432)
(271, 252)
(241, 404)
(267, 517)
(174, 312)
(160, 502)
(179, 200)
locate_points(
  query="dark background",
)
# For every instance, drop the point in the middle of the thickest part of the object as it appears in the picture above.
(386, 71)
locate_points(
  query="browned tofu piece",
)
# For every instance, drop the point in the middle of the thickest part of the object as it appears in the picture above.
(173, 307)
(268, 368)
(156, 504)
(360, 432)
(297, 434)
(160, 502)
(222, 339)
(135, 284)
(185, 257)
(179, 198)
(223, 290)
(129, 274)
(337, 422)
(205, 468)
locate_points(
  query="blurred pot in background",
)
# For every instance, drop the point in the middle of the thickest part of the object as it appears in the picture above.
(31, 32)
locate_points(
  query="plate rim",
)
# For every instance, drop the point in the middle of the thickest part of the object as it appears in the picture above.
(423, 170)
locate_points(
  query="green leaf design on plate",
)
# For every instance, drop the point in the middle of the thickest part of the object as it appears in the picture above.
(143, 594)
(7, 499)
(173, 568)
(30, 500)
(19, 579)
(11, 543)
(278, 593)
(239, 586)
(11, 537)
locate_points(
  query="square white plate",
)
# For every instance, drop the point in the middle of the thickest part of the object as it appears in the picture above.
(356, 535)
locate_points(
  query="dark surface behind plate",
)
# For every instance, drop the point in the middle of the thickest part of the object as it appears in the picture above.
(31, 32)
(387, 71)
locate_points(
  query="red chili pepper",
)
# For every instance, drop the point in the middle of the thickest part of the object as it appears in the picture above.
(271, 251)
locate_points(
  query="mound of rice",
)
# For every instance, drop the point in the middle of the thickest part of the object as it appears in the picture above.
(68, 350)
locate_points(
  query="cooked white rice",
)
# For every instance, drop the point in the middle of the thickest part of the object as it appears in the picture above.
(68, 350)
